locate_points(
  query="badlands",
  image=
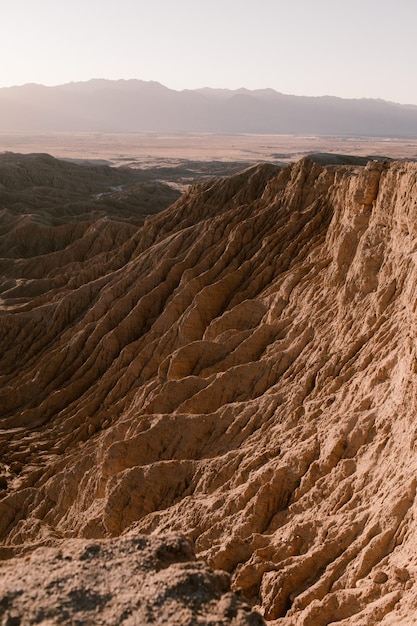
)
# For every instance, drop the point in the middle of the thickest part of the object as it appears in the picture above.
(208, 399)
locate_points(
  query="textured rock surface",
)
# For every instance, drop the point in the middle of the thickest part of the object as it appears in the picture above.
(240, 368)
(130, 581)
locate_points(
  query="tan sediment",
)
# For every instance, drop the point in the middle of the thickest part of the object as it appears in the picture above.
(240, 368)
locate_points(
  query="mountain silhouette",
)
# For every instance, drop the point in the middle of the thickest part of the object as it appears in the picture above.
(147, 106)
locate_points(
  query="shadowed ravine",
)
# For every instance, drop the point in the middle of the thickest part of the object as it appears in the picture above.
(239, 368)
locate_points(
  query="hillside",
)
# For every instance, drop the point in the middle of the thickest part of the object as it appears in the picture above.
(239, 368)
(127, 106)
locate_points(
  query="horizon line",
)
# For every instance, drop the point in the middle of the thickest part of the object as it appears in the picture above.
(204, 88)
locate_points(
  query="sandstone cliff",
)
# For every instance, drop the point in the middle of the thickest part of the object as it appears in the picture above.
(240, 368)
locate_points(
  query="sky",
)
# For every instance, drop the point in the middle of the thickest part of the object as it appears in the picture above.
(350, 49)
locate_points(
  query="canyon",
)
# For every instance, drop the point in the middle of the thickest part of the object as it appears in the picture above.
(221, 378)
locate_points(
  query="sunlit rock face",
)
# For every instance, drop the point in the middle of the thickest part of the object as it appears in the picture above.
(241, 368)
(131, 580)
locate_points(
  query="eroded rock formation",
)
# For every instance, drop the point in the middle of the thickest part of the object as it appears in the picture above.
(131, 581)
(240, 368)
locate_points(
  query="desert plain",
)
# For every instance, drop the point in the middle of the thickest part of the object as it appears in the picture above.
(151, 149)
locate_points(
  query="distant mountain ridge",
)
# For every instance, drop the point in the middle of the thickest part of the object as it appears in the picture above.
(147, 106)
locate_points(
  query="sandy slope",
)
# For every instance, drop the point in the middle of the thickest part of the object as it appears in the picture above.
(241, 368)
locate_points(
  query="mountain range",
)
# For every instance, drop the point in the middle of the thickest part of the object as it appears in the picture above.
(146, 106)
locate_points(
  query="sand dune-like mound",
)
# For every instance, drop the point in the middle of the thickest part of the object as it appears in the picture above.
(239, 368)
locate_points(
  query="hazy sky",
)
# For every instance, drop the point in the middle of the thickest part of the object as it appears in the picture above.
(347, 48)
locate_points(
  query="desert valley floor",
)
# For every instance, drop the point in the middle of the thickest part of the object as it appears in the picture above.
(208, 380)
(152, 149)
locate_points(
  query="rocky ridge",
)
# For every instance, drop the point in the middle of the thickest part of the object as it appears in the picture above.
(240, 368)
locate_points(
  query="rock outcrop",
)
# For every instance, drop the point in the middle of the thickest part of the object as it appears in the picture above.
(131, 581)
(240, 368)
